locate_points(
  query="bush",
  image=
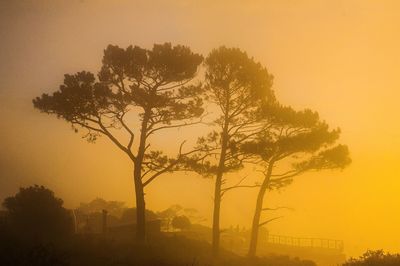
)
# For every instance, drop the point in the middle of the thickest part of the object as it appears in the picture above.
(35, 213)
(375, 258)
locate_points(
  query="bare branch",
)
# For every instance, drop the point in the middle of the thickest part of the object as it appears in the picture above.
(115, 140)
(277, 208)
(237, 185)
(173, 126)
(283, 178)
(87, 126)
(176, 85)
(270, 220)
(132, 135)
(283, 174)
(165, 169)
(223, 191)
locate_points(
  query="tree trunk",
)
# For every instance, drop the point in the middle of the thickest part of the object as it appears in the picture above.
(256, 222)
(217, 192)
(216, 215)
(139, 189)
(257, 213)
(140, 208)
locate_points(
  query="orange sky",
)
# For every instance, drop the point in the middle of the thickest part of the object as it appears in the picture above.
(340, 58)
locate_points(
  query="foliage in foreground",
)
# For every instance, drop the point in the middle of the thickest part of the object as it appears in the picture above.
(375, 258)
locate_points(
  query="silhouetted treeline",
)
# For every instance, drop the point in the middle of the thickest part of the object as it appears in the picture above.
(44, 238)
(35, 229)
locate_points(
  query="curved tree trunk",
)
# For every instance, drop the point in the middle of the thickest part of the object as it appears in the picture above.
(256, 222)
(257, 213)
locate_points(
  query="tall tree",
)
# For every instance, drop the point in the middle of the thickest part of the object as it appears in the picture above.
(154, 86)
(296, 142)
(237, 87)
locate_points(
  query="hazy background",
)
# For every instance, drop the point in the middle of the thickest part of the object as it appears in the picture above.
(340, 58)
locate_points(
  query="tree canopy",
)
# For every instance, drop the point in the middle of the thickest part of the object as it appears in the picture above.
(300, 141)
(238, 87)
(133, 77)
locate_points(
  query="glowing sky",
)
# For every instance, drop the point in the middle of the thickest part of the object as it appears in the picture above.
(340, 58)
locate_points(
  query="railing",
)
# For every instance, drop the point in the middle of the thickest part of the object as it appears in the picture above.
(306, 242)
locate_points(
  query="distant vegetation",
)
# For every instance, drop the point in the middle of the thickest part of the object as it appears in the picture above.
(36, 211)
(181, 222)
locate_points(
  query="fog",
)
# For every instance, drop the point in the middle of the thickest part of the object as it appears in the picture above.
(339, 58)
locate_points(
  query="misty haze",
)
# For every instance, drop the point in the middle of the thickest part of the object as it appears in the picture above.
(179, 132)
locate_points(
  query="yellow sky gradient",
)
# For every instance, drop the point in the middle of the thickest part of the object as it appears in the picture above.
(340, 58)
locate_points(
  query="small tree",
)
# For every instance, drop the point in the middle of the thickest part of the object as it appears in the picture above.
(181, 222)
(236, 87)
(34, 212)
(295, 143)
(169, 214)
(152, 86)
